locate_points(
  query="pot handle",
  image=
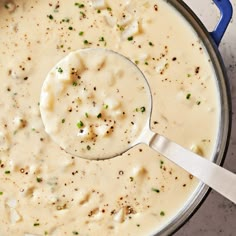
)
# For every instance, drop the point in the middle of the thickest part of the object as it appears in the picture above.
(226, 12)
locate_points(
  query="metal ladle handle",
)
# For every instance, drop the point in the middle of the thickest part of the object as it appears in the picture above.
(216, 177)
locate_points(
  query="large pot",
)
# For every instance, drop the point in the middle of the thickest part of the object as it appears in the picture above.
(211, 42)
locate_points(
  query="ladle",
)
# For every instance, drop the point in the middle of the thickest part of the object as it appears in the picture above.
(216, 177)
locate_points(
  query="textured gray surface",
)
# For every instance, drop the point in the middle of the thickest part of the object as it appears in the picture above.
(217, 216)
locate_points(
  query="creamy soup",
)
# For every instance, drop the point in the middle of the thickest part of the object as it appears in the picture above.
(44, 190)
(87, 107)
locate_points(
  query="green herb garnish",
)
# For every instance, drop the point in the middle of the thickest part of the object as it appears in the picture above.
(50, 17)
(82, 14)
(81, 33)
(80, 5)
(156, 190)
(142, 109)
(99, 115)
(80, 124)
(7, 172)
(130, 38)
(67, 20)
(39, 180)
(188, 96)
(60, 70)
(121, 28)
(162, 213)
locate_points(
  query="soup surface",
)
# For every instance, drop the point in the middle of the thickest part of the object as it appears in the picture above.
(44, 190)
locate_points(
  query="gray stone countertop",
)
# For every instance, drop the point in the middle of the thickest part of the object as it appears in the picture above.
(217, 215)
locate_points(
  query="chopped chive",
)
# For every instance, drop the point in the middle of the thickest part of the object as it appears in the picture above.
(74, 84)
(136, 62)
(142, 109)
(7, 172)
(39, 180)
(86, 41)
(198, 103)
(151, 44)
(162, 213)
(138, 225)
(101, 39)
(99, 115)
(1, 193)
(70, 28)
(66, 20)
(120, 27)
(82, 14)
(131, 179)
(80, 124)
(50, 17)
(98, 11)
(188, 75)
(63, 121)
(75, 233)
(88, 147)
(81, 33)
(109, 9)
(80, 5)
(105, 106)
(156, 190)
(87, 115)
(130, 38)
(60, 70)
(188, 96)
(146, 63)
(36, 224)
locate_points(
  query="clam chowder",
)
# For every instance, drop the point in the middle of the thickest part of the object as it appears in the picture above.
(46, 191)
